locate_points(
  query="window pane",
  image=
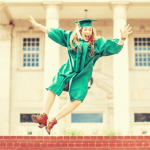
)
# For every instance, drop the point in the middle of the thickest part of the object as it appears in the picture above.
(144, 39)
(29, 45)
(24, 49)
(24, 39)
(142, 45)
(24, 60)
(140, 48)
(135, 48)
(37, 49)
(136, 64)
(37, 39)
(86, 117)
(135, 39)
(24, 118)
(142, 117)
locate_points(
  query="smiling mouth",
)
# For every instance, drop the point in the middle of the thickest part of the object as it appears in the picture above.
(87, 37)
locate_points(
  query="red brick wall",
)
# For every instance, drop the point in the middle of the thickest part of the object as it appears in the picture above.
(74, 142)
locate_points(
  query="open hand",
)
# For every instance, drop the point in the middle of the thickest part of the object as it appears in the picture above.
(34, 23)
(126, 31)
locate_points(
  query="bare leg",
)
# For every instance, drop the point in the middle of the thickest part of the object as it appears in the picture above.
(68, 108)
(49, 101)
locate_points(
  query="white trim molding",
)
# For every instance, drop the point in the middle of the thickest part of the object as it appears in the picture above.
(30, 34)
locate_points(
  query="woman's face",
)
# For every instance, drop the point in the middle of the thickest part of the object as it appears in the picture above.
(86, 33)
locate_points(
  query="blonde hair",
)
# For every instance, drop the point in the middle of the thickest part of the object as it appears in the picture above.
(92, 39)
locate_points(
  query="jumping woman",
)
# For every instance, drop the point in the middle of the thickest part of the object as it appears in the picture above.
(84, 49)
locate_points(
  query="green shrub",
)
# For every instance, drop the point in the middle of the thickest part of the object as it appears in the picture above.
(73, 132)
(110, 132)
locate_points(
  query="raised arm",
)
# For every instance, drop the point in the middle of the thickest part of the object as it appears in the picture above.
(37, 25)
(124, 33)
(58, 35)
(114, 46)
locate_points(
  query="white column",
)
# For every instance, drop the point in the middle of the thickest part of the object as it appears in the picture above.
(121, 72)
(51, 62)
(5, 66)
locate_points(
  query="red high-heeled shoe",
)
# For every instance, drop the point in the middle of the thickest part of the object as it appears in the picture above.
(50, 125)
(41, 119)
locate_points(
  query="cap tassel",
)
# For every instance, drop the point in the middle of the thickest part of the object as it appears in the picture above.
(77, 31)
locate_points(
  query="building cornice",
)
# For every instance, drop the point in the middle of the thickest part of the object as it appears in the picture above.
(5, 16)
(124, 3)
(142, 3)
(52, 2)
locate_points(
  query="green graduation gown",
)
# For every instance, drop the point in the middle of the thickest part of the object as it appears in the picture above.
(77, 71)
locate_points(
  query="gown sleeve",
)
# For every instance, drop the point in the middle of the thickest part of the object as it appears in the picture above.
(59, 36)
(110, 47)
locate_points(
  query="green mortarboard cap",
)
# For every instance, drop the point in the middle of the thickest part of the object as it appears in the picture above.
(85, 22)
